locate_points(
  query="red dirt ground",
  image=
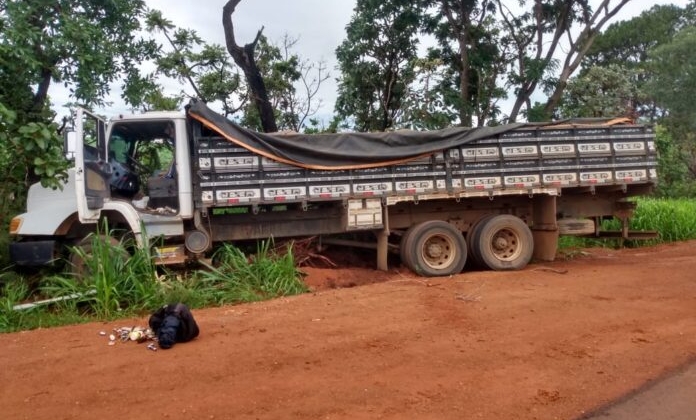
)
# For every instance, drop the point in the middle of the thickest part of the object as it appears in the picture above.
(554, 341)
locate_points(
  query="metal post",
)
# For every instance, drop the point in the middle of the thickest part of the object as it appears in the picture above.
(383, 241)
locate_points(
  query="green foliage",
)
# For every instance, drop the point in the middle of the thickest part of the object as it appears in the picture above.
(85, 45)
(110, 280)
(673, 87)
(674, 83)
(205, 67)
(534, 38)
(675, 178)
(601, 92)
(241, 278)
(627, 45)
(114, 283)
(29, 152)
(671, 218)
(280, 70)
(143, 91)
(377, 62)
(472, 57)
(13, 292)
(428, 107)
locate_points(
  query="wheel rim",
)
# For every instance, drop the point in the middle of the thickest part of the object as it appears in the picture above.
(505, 245)
(439, 251)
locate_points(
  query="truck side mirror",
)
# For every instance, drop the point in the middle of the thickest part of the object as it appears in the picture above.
(69, 144)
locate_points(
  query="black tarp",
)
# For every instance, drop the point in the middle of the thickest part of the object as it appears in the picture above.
(349, 150)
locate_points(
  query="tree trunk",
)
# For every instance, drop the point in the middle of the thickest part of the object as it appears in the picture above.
(579, 48)
(465, 108)
(244, 58)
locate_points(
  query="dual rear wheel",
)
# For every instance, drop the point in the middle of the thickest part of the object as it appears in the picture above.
(437, 248)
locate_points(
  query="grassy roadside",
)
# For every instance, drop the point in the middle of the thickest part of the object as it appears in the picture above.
(673, 219)
(117, 285)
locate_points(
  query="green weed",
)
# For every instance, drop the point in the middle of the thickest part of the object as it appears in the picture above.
(672, 219)
(265, 275)
(111, 279)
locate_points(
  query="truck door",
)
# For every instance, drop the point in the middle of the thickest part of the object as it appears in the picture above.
(92, 171)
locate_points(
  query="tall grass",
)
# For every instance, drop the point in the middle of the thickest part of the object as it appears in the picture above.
(673, 220)
(240, 278)
(115, 283)
(111, 278)
(12, 292)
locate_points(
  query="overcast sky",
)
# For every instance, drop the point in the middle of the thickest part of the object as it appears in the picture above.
(319, 26)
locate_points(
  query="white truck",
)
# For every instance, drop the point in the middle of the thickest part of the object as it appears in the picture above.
(498, 196)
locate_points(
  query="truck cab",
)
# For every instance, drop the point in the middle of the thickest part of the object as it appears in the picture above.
(132, 170)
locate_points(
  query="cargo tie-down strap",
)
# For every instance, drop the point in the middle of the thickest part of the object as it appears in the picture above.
(351, 150)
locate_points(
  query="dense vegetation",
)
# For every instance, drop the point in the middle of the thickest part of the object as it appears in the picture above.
(115, 284)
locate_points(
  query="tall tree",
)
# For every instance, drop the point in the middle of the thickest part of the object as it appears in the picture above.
(429, 102)
(85, 45)
(206, 68)
(376, 61)
(627, 43)
(82, 44)
(246, 60)
(537, 35)
(673, 86)
(283, 72)
(469, 43)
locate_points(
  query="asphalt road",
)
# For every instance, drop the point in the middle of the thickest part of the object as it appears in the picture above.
(672, 398)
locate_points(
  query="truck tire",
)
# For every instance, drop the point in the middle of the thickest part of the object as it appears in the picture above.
(474, 255)
(434, 248)
(503, 242)
(77, 259)
(402, 247)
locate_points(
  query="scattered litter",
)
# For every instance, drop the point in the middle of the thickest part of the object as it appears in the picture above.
(170, 324)
(135, 333)
(142, 203)
(165, 210)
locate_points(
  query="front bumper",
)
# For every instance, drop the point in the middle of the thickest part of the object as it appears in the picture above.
(33, 253)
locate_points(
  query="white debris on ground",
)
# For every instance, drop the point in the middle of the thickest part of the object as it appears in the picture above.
(136, 333)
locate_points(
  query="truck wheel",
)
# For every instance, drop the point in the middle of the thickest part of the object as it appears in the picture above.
(83, 251)
(434, 248)
(402, 247)
(474, 255)
(504, 242)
